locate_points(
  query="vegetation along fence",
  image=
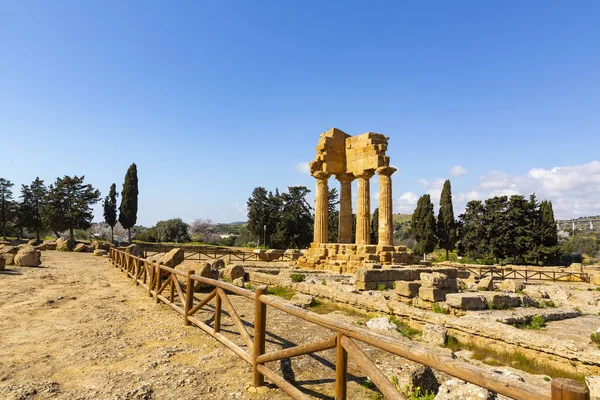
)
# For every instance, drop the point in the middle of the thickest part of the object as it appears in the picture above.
(344, 337)
(526, 274)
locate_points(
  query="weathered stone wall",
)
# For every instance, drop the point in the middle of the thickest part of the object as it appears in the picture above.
(348, 258)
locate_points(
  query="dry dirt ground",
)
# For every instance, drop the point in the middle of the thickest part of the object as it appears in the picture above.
(77, 328)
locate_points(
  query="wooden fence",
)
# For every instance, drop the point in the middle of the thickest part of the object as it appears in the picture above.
(216, 253)
(526, 274)
(157, 278)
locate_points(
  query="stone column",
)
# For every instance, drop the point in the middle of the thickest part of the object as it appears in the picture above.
(363, 209)
(386, 223)
(345, 225)
(321, 208)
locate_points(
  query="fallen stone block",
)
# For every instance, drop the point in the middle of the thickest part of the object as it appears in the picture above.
(486, 284)
(454, 389)
(302, 300)
(501, 301)
(172, 259)
(381, 324)
(100, 252)
(233, 272)
(408, 289)
(467, 301)
(28, 257)
(433, 294)
(511, 285)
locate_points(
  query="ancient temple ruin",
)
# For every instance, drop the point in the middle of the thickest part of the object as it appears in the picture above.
(348, 158)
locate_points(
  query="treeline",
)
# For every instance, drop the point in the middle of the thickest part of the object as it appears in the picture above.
(65, 205)
(515, 228)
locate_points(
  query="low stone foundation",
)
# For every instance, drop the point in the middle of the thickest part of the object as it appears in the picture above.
(347, 258)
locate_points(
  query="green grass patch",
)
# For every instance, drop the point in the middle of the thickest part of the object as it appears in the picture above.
(547, 304)
(596, 338)
(404, 329)
(326, 307)
(286, 293)
(452, 343)
(297, 277)
(436, 308)
(537, 323)
(420, 394)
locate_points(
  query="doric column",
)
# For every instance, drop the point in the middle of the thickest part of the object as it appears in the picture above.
(386, 223)
(321, 207)
(363, 209)
(345, 224)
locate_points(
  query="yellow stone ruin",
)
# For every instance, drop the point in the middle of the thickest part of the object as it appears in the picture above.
(348, 158)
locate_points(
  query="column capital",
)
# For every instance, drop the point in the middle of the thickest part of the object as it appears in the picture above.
(321, 175)
(368, 174)
(345, 177)
(387, 170)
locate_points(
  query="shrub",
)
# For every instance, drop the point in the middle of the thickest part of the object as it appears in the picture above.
(297, 277)
(324, 282)
(381, 286)
(438, 309)
(536, 323)
(404, 329)
(596, 338)
(452, 343)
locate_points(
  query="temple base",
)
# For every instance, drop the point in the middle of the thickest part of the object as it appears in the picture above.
(347, 258)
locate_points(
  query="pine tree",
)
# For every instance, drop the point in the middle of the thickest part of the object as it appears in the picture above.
(472, 231)
(69, 204)
(424, 226)
(129, 200)
(6, 196)
(110, 209)
(446, 227)
(375, 227)
(33, 198)
(497, 226)
(294, 227)
(518, 225)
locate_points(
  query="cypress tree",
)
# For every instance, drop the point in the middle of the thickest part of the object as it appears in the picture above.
(375, 227)
(446, 227)
(5, 203)
(424, 226)
(548, 234)
(110, 209)
(129, 200)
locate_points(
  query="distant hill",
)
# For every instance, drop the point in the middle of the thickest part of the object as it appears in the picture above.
(399, 218)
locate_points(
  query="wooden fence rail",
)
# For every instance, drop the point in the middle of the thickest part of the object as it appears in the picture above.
(526, 274)
(156, 278)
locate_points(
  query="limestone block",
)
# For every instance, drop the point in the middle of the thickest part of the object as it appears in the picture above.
(434, 280)
(593, 383)
(8, 258)
(362, 285)
(486, 284)
(372, 275)
(455, 388)
(28, 257)
(501, 301)
(435, 334)
(511, 285)
(433, 294)
(233, 272)
(404, 274)
(239, 282)
(173, 258)
(100, 252)
(400, 249)
(80, 248)
(381, 324)
(408, 289)
(467, 301)
(301, 300)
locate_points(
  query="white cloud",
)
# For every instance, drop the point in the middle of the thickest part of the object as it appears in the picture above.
(303, 167)
(457, 170)
(574, 190)
(407, 202)
(240, 209)
(425, 183)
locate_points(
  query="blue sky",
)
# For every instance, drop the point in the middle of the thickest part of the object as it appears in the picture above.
(211, 99)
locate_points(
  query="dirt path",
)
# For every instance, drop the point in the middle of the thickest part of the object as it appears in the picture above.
(77, 328)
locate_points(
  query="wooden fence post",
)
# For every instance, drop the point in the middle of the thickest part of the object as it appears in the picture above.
(189, 297)
(260, 328)
(568, 389)
(341, 369)
(217, 313)
(158, 280)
